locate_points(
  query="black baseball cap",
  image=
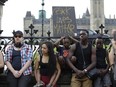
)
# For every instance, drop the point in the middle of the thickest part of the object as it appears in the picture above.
(17, 32)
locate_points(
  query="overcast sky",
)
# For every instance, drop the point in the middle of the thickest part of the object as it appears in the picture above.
(15, 10)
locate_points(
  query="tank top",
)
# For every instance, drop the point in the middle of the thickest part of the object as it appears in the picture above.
(16, 60)
(43, 68)
(87, 56)
(101, 58)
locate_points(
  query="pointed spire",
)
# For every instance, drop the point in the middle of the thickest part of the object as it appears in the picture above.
(87, 13)
(28, 14)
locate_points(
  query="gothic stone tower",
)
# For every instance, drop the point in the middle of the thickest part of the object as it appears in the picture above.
(97, 14)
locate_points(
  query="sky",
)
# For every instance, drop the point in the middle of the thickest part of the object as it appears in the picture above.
(14, 11)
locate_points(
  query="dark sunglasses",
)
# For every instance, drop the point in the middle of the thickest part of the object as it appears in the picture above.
(17, 36)
(82, 34)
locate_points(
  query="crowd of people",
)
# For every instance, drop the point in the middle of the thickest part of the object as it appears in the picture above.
(66, 55)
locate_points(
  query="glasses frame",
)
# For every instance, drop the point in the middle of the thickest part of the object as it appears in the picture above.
(19, 36)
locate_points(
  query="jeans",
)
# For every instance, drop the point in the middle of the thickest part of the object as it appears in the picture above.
(103, 81)
(22, 81)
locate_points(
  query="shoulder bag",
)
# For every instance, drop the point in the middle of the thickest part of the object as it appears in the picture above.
(92, 74)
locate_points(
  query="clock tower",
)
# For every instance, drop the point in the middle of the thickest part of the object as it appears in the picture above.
(97, 14)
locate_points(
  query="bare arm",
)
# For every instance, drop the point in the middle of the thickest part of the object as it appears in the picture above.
(9, 66)
(1, 60)
(75, 40)
(73, 47)
(93, 59)
(111, 57)
(28, 63)
(57, 74)
(58, 42)
(37, 71)
(14, 72)
(107, 59)
(104, 71)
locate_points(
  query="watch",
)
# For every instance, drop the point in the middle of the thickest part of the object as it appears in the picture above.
(85, 70)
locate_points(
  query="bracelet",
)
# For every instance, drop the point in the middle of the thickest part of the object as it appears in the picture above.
(85, 70)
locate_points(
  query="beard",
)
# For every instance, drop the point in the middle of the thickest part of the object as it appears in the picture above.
(18, 44)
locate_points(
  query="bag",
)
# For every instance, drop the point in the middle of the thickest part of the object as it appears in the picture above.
(92, 74)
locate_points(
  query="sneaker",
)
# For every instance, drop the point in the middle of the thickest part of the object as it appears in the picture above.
(40, 85)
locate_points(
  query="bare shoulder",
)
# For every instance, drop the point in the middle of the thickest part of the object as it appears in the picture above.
(0, 52)
(93, 49)
(72, 47)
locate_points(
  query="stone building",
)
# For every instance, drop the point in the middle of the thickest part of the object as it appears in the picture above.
(87, 21)
(37, 23)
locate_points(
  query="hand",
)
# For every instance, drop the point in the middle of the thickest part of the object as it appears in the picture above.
(16, 74)
(80, 73)
(98, 71)
(103, 71)
(61, 59)
(49, 85)
(20, 72)
(73, 59)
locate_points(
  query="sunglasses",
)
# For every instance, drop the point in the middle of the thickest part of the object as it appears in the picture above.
(82, 34)
(17, 36)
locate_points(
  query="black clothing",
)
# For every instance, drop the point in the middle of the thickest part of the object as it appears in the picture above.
(16, 62)
(22, 81)
(101, 58)
(43, 68)
(87, 56)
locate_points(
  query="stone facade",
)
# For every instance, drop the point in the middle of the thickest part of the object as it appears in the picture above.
(37, 23)
(97, 14)
(87, 21)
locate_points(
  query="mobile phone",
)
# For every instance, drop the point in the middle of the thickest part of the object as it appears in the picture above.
(114, 36)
